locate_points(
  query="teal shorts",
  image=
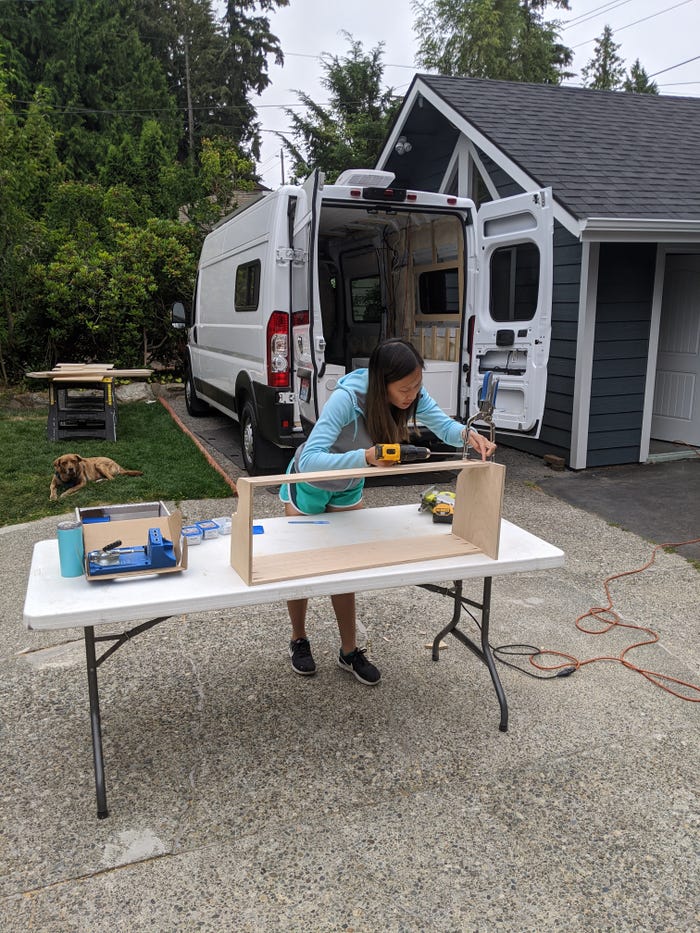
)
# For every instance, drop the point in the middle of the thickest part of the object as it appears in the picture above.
(312, 500)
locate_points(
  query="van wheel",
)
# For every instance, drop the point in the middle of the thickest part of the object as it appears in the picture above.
(259, 455)
(195, 406)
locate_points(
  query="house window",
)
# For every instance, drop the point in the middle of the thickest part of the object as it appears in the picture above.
(366, 300)
(515, 282)
(247, 292)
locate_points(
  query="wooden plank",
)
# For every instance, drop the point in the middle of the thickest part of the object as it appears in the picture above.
(321, 476)
(94, 374)
(289, 566)
(242, 530)
(478, 507)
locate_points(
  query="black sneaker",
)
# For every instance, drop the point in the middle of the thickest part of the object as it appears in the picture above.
(359, 664)
(300, 653)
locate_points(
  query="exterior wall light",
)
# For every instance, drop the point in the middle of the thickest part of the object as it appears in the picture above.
(402, 146)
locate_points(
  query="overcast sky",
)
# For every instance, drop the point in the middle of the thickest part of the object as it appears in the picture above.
(661, 33)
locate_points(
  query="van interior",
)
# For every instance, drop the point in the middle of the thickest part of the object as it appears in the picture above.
(393, 272)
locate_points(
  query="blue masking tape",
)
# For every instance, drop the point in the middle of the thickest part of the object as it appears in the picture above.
(258, 530)
(70, 548)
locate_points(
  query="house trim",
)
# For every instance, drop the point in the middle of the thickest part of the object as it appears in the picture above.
(652, 355)
(638, 230)
(583, 372)
(663, 251)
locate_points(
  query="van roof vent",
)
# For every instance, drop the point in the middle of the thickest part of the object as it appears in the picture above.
(362, 177)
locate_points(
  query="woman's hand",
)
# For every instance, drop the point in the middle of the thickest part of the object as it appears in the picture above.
(482, 445)
(371, 458)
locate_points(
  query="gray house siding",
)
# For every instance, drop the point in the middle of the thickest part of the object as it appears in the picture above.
(620, 351)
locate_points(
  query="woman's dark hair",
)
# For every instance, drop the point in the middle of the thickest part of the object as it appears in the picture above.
(390, 361)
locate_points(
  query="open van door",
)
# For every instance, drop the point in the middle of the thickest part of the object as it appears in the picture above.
(514, 308)
(308, 344)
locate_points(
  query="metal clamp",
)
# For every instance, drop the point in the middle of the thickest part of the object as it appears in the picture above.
(487, 404)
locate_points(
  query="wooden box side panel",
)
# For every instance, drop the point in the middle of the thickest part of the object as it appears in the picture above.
(478, 507)
(242, 531)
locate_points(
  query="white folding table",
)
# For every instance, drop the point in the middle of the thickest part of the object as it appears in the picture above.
(210, 583)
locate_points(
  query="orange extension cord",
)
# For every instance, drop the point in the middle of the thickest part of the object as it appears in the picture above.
(610, 619)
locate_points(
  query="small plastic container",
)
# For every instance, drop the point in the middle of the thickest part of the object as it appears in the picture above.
(209, 529)
(193, 533)
(224, 524)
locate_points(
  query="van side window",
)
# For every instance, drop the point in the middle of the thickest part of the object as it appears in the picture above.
(438, 292)
(247, 292)
(515, 282)
(366, 300)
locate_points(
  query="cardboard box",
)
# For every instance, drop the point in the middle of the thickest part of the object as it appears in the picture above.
(130, 524)
(113, 513)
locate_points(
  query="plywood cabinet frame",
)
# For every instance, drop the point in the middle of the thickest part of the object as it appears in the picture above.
(475, 527)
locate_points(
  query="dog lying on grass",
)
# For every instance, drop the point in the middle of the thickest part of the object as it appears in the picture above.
(75, 471)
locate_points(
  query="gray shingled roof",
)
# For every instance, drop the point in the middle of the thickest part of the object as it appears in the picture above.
(605, 153)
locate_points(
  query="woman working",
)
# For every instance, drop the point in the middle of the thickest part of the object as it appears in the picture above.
(377, 405)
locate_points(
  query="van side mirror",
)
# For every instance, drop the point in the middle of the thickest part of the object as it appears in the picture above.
(180, 317)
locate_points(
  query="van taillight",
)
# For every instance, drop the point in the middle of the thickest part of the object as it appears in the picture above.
(300, 319)
(278, 350)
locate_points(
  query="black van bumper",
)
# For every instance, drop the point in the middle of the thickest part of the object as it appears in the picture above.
(275, 411)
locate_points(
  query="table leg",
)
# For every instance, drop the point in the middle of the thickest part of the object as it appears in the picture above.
(484, 650)
(95, 723)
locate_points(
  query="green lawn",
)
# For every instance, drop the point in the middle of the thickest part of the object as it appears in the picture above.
(147, 439)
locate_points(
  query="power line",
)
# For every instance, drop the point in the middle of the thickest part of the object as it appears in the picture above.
(671, 67)
(597, 11)
(636, 22)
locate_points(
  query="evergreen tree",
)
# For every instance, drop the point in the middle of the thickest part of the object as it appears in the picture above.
(638, 82)
(508, 40)
(249, 42)
(104, 81)
(606, 70)
(351, 130)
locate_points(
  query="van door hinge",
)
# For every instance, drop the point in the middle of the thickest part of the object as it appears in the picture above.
(287, 254)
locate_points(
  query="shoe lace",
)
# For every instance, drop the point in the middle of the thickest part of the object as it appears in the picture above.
(360, 657)
(302, 648)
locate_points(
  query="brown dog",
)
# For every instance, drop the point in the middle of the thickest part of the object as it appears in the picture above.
(75, 472)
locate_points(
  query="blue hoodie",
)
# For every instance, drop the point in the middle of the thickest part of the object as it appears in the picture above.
(340, 436)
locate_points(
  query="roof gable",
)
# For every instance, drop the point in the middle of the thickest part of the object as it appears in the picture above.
(604, 153)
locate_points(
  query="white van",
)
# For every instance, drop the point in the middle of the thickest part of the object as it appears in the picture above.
(297, 288)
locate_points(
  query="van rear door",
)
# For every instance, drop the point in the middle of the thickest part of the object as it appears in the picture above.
(308, 344)
(514, 308)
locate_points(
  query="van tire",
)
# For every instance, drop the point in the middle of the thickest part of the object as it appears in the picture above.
(195, 406)
(259, 454)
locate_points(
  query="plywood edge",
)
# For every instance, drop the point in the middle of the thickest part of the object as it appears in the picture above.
(324, 476)
(365, 556)
(242, 531)
(478, 507)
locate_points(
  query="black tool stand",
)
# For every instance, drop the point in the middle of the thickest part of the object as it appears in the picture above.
(80, 409)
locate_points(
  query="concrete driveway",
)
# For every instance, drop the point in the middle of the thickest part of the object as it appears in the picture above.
(245, 798)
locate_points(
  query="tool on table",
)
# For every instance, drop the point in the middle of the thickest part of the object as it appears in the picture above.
(487, 404)
(157, 554)
(440, 502)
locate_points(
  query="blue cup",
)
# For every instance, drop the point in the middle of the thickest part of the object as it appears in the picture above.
(71, 551)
